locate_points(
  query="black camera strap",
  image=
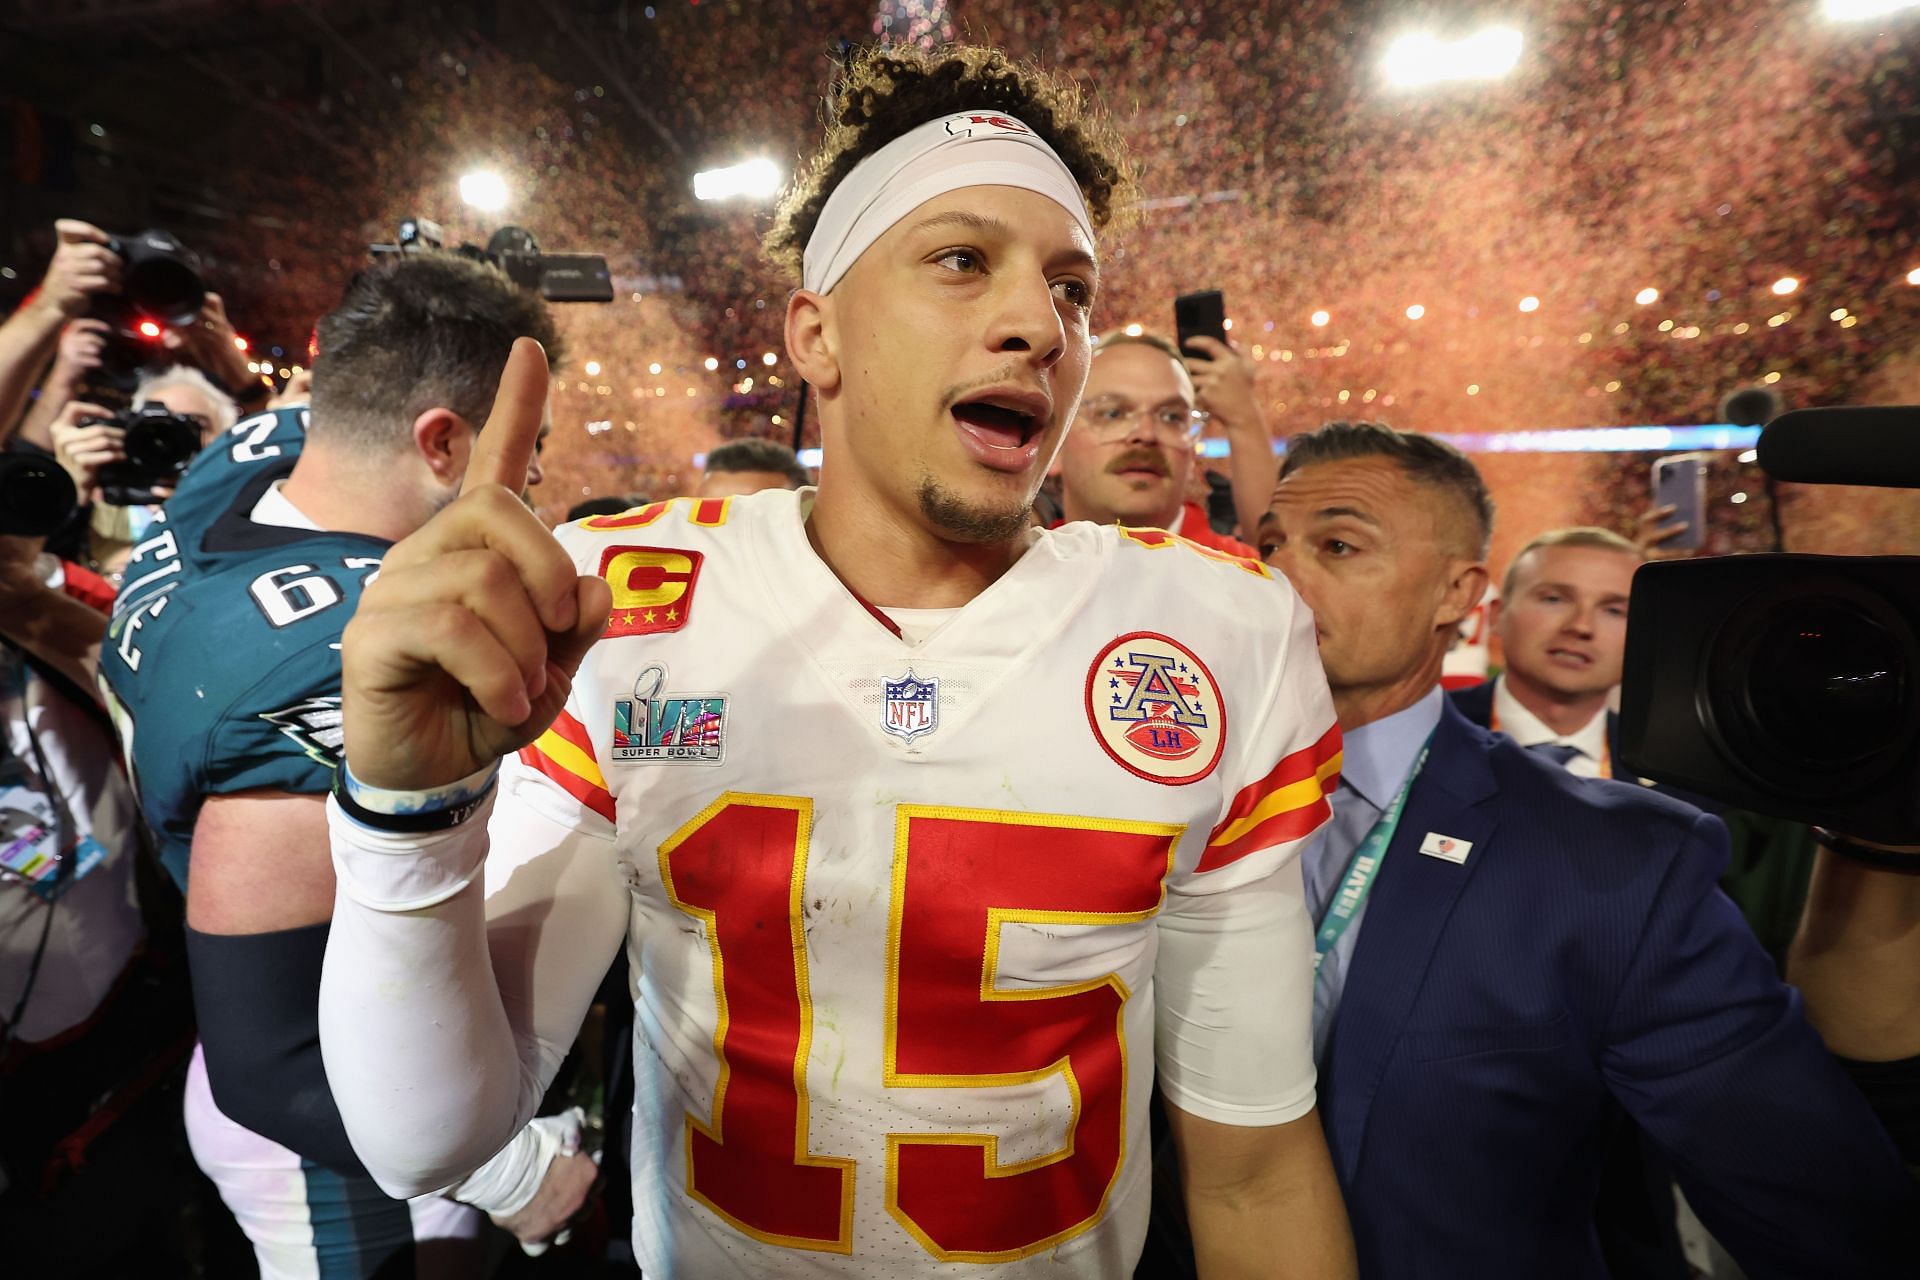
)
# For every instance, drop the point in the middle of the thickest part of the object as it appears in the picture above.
(1884, 859)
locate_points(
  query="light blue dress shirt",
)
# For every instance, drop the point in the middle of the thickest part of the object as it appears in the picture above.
(1378, 758)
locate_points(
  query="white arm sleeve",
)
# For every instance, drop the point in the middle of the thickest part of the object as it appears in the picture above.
(506, 1184)
(1233, 999)
(445, 1005)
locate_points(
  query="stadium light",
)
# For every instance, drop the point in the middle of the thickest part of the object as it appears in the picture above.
(756, 179)
(484, 190)
(1860, 10)
(1420, 58)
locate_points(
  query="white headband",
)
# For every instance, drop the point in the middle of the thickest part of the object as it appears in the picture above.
(969, 149)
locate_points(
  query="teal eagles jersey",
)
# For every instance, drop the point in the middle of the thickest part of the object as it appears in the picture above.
(222, 663)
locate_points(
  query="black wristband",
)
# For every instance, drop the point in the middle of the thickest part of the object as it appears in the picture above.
(1884, 859)
(425, 822)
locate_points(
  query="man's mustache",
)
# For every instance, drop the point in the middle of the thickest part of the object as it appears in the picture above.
(1141, 458)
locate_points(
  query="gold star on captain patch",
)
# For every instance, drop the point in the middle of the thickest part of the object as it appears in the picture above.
(627, 621)
(673, 615)
(648, 616)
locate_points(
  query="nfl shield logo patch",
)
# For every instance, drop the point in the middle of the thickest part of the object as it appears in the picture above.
(910, 707)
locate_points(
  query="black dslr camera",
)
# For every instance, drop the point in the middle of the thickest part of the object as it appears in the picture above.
(160, 285)
(159, 445)
(557, 277)
(1789, 684)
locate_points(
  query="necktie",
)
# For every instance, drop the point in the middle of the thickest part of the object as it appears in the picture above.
(1558, 752)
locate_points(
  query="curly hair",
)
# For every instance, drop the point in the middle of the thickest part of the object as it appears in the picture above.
(883, 92)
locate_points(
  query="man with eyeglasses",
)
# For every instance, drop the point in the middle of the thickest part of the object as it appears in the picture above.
(1130, 456)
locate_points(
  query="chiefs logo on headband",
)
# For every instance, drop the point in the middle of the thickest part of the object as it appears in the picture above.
(965, 126)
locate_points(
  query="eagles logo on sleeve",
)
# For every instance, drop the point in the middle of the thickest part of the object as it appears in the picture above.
(314, 726)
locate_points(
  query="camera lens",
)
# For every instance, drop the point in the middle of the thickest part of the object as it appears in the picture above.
(164, 288)
(1814, 694)
(36, 495)
(1831, 680)
(161, 277)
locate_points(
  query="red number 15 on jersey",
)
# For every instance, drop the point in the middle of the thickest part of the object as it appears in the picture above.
(741, 863)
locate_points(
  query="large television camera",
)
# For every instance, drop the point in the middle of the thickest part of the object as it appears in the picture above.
(1789, 684)
(557, 277)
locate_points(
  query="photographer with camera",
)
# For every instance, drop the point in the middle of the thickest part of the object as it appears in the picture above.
(83, 268)
(123, 465)
(112, 307)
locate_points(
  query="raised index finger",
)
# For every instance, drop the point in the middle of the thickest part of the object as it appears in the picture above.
(504, 448)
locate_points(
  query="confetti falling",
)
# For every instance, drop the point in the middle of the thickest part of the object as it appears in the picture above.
(1645, 179)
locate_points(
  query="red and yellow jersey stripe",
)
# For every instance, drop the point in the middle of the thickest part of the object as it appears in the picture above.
(1288, 803)
(564, 754)
(708, 513)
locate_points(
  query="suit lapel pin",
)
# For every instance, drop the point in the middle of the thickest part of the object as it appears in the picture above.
(1446, 848)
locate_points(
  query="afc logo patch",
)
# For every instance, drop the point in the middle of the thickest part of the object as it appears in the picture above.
(1156, 710)
(652, 588)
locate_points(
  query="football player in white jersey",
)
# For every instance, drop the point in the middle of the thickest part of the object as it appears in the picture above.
(931, 835)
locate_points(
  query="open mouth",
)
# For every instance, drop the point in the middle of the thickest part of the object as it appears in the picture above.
(998, 426)
(1001, 429)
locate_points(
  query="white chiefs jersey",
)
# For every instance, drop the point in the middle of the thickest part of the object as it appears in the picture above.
(896, 907)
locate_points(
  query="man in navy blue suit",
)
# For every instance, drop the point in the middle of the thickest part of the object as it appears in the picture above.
(1562, 623)
(1514, 960)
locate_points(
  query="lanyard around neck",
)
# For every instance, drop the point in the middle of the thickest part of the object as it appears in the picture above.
(1363, 867)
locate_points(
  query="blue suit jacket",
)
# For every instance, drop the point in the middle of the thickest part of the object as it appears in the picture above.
(1501, 1013)
(1475, 701)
